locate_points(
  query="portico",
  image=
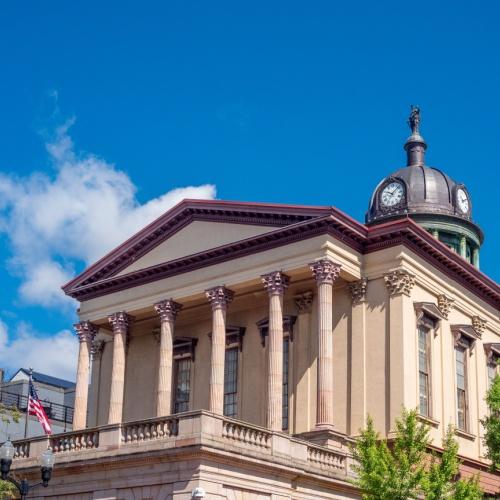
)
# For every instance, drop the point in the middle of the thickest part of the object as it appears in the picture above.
(208, 317)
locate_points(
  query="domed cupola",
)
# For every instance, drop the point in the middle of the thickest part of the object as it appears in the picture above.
(427, 195)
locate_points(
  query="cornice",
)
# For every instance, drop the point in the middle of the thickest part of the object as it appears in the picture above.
(182, 214)
(99, 280)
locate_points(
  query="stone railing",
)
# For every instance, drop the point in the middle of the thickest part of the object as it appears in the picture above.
(86, 439)
(174, 432)
(22, 448)
(149, 430)
(246, 433)
(326, 458)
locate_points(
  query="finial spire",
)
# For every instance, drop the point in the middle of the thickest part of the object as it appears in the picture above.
(415, 145)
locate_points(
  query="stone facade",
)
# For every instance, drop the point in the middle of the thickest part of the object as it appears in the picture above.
(297, 341)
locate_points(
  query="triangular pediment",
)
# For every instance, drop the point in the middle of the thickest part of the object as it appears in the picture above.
(191, 227)
(198, 236)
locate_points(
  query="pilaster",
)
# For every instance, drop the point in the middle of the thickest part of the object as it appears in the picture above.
(302, 363)
(358, 356)
(402, 348)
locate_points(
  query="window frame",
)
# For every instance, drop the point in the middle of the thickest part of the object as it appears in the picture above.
(183, 349)
(464, 346)
(428, 319)
(233, 348)
(426, 331)
(287, 339)
(175, 379)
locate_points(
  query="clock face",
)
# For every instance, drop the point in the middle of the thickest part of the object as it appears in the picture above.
(392, 194)
(462, 201)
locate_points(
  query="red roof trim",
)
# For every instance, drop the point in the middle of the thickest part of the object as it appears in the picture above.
(180, 216)
(311, 222)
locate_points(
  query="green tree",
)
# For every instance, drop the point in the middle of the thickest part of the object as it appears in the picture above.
(491, 424)
(405, 468)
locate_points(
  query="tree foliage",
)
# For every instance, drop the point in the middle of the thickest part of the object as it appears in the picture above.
(405, 469)
(491, 424)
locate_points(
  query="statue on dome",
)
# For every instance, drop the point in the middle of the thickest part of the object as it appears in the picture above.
(414, 120)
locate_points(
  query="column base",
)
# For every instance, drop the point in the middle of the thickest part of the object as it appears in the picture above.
(326, 436)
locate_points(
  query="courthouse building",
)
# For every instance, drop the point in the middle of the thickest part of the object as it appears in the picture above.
(235, 349)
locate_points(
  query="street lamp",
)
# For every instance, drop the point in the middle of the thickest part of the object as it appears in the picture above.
(46, 466)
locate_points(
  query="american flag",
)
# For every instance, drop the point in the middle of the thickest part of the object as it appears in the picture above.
(36, 408)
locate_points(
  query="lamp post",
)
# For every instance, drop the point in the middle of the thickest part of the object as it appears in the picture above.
(46, 465)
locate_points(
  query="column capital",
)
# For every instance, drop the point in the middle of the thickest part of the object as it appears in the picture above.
(120, 321)
(304, 302)
(86, 331)
(167, 309)
(275, 283)
(219, 297)
(325, 271)
(96, 349)
(479, 324)
(445, 304)
(358, 290)
(399, 281)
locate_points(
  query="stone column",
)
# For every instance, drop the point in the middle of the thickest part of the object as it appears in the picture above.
(275, 283)
(475, 257)
(120, 322)
(358, 410)
(463, 246)
(168, 310)
(325, 272)
(86, 332)
(219, 298)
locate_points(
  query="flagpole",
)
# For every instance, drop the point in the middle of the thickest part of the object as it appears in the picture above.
(26, 420)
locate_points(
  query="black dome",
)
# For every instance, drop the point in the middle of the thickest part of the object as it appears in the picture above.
(426, 190)
(424, 193)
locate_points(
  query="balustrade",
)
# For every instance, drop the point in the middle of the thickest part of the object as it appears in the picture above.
(202, 428)
(149, 430)
(326, 458)
(246, 434)
(22, 448)
(74, 441)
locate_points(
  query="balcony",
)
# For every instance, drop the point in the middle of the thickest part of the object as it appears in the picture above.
(174, 437)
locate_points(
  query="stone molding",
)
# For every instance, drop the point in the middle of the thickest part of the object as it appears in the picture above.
(358, 290)
(464, 334)
(325, 271)
(492, 351)
(479, 324)
(445, 304)
(168, 309)
(304, 302)
(96, 349)
(120, 322)
(219, 297)
(86, 331)
(275, 283)
(399, 281)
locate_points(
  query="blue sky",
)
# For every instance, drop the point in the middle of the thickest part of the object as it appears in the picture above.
(293, 102)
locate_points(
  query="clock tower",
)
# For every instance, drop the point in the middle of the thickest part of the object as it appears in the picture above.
(428, 196)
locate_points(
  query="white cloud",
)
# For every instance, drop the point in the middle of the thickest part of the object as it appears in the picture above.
(55, 356)
(83, 209)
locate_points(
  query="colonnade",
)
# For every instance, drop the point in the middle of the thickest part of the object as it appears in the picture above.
(325, 271)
